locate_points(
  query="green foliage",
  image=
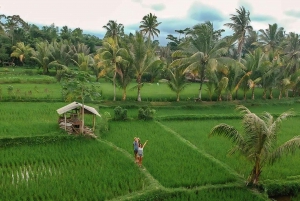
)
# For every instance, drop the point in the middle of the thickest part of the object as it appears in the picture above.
(146, 113)
(120, 114)
(281, 188)
(77, 86)
(104, 126)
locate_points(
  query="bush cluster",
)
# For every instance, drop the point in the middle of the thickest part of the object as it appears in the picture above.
(120, 114)
(146, 113)
(282, 188)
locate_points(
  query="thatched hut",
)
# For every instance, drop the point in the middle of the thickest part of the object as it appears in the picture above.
(71, 118)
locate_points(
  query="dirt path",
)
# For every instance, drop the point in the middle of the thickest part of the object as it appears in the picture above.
(154, 184)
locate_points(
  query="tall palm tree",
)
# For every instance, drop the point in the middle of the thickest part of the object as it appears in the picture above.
(271, 37)
(143, 57)
(111, 55)
(258, 141)
(21, 51)
(240, 25)
(292, 52)
(149, 26)
(114, 30)
(202, 51)
(271, 72)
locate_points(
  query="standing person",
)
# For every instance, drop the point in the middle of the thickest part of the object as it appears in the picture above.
(135, 148)
(141, 152)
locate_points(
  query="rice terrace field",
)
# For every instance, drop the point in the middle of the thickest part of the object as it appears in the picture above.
(40, 161)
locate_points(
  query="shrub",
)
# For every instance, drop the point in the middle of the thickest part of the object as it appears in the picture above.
(146, 114)
(120, 113)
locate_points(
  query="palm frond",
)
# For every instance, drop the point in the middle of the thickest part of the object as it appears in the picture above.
(288, 147)
(227, 131)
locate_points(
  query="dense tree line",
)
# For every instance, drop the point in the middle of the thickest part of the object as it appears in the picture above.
(226, 64)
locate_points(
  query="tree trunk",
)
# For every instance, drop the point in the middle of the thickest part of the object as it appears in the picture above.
(201, 82)
(253, 93)
(255, 173)
(124, 94)
(271, 93)
(230, 96)
(139, 78)
(280, 95)
(178, 97)
(114, 81)
(265, 94)
(220, 97)
(200, 91)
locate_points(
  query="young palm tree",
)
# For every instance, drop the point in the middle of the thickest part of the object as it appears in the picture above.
(21, 51)
(44, 55)
(240, 25)
(84, 62)
(149, 26)
(176, 78)
(257, 142)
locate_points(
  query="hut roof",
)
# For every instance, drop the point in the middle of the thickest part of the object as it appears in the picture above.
(75, 105)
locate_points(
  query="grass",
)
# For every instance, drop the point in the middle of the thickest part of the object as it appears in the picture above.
(181, 162)
(75, 169)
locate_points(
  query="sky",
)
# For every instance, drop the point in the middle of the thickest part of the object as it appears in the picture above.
(92, 15)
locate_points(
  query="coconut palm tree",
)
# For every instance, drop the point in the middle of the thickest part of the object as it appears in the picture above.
(114, 30)
(292, 52)
(271, 37)
(240, 25)
(202, 51)
(176, 77)
(271, 72)
(21, 51)
(258, 140)
(149, 26)
(143, 57)
(111, 55)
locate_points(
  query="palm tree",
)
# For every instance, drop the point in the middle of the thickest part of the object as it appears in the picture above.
(21, 51)
(271, 37)
(257, 142)
(176, 78)
(114, 30)
(143, 57)
(240, 25)
(202, 51)
(271, 72)
(44, 55)
(84, 62)
(149, 26)
(111, 55)
(292, 52)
